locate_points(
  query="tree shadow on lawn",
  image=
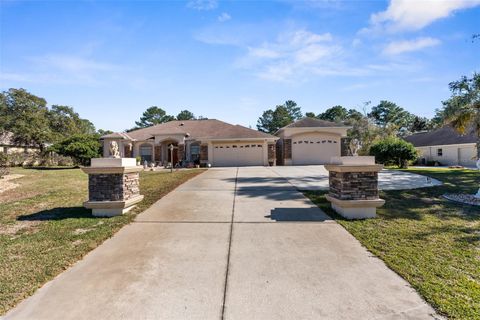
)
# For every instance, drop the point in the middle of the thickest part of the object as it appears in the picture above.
(51, 168)
(60, 213)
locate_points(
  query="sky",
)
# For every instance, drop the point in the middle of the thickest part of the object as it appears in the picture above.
(231, 60)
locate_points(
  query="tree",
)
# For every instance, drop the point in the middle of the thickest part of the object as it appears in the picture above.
(81, 147)
(64, 121)
(462, 110)
(310, 115)
(393, 151)
(272, 120)
(282, 115)
(335, 114)
(293, 110)
(26, 116)
(419, 124)
(185, 115)
(102, 132)
(387, 113)
(152, 116)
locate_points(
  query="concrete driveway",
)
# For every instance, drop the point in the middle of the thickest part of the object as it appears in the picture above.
(316, 178)
(229, 244)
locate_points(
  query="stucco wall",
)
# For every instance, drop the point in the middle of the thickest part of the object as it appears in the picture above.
(451, 154)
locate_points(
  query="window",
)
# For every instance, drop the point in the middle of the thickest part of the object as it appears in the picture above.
(5, 150)
(195, 153)
(146, 152)
(439, 152)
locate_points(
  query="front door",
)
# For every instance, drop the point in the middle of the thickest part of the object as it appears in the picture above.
(175, 155)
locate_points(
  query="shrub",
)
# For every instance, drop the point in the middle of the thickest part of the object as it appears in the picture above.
(393, 151)
(80, 147)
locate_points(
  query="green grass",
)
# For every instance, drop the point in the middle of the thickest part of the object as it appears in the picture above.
(431, 242)
(44, 228)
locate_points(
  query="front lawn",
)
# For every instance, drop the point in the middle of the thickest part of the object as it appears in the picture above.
(431, 242)
(44, 228)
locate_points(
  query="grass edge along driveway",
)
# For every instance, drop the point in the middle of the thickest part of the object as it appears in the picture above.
(44, 229)
(431, 242)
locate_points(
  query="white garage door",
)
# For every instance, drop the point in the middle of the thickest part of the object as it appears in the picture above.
(314, 149)
(239, 154)
(466, 156)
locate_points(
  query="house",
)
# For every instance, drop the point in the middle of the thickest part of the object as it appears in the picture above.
(214, 142)
(446, 145)
(8, 145)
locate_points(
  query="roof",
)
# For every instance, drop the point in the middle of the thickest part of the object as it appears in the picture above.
(197, 129)
(117, 135)
(443, 136)
(6, 138)
(308, 122)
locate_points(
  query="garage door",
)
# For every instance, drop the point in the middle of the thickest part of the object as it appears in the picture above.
(314, 149)
(466, 156)
(232, 155)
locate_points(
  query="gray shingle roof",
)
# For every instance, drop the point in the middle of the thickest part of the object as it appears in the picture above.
(206, 129)
(443, 136)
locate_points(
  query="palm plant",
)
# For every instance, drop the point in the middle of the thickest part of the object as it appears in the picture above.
(462, 110)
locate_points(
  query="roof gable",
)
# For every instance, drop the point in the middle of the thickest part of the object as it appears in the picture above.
(308, 122)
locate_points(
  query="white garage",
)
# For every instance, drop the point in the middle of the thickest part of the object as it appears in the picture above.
(467, 156)
(314, 148)
(238, 154)
(310, 141)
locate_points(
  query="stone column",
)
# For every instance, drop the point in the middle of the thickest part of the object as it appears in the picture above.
(113, 186)
(271, 154)
(354, 186)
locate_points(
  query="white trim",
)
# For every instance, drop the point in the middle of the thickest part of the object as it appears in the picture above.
(448, 145)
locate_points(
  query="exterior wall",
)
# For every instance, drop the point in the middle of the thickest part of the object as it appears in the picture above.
(271, 154)
(16, 149)
(459, 154)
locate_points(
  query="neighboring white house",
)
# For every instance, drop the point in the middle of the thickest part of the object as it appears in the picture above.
(446, 146)
(307, 141)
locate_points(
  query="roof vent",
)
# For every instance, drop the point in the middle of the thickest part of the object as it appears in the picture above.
(181, 124)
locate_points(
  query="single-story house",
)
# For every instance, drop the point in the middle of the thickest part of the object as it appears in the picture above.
(446, 145)
(214, 142)
(8, 145)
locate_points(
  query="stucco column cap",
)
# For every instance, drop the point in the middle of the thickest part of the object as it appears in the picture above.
(354, 168)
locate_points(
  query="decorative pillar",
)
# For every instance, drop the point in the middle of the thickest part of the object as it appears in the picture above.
(271, 154)
(287, 152)
(204, 150)
(113, 186)
(354, 186)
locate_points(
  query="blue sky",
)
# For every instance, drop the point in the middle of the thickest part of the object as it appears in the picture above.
(110, 60)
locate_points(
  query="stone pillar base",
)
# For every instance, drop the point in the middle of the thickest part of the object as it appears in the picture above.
(354, 187)
(112, 208)
(355, 209)
(113, 187)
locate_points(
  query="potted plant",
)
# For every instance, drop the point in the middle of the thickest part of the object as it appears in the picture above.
(139, 159)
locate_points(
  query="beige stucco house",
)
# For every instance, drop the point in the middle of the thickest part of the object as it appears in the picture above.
(446, 146)
(214, 142)
(8, 145)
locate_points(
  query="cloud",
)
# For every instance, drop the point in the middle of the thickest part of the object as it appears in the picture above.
(408, 15)
(398, 47)
(203, 5)
(224, 17)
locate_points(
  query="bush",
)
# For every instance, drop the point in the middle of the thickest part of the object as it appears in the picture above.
(80, 147)
(393, 151)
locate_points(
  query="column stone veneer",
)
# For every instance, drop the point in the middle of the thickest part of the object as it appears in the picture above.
(113, 186)
(353, 185)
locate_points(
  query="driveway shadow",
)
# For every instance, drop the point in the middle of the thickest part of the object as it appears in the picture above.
(298, 214)
(60, 213)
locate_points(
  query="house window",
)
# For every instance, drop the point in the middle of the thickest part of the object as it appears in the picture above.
(439, 152)
(146, 152)
(195, 153)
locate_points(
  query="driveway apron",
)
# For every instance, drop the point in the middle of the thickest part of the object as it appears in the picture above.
(232, 243)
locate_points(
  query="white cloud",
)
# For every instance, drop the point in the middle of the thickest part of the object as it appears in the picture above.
(398, 47)
(224, 17)
(203, 4)
(410, 15)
